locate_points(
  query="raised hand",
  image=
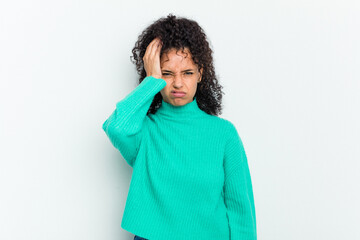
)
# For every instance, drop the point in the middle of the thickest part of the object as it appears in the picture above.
(152, 58)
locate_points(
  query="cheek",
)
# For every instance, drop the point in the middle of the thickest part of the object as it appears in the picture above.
(166, 89)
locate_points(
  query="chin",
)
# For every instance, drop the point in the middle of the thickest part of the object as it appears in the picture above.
(180, 101)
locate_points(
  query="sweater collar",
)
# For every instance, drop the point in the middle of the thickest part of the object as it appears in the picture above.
(189, 110)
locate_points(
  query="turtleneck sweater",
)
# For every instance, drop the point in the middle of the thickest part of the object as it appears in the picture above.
(190, 178)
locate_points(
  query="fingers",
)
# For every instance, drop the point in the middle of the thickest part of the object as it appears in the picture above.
(154, 47)
(158, 46)
(152, 57)
(148, 48)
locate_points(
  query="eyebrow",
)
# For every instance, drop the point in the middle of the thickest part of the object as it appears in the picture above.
(181, 71)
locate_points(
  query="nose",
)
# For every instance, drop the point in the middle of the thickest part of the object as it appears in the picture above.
(178, 81)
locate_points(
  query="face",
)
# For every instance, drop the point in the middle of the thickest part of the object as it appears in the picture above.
(181, 76)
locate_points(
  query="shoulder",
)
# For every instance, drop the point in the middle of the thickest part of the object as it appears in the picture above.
(216, 121)
(230, 132)
(228, 128)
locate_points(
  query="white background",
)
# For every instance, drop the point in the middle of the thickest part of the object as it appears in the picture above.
(290, 71)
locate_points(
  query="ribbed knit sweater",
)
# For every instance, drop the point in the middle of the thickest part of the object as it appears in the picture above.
(190, 177)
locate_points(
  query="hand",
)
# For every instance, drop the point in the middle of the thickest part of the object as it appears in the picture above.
(152, 58)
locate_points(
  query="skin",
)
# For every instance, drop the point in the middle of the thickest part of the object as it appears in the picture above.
(173, 67)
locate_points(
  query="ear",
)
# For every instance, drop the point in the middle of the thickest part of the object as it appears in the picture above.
(201, 72)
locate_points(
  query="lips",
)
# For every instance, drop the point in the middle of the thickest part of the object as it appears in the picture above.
(178, 93)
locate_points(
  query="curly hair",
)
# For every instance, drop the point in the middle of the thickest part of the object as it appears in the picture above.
(179, 33)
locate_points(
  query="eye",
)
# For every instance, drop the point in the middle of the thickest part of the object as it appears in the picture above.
(190, 73)
(165, 74)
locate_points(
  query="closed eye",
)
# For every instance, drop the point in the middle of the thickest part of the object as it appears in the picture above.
(188, 73)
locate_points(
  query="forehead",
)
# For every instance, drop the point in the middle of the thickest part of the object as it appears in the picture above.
(176, 59)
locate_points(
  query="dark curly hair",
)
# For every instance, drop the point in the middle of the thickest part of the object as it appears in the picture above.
(179, 33)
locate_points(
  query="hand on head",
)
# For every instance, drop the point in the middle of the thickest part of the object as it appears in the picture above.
(152, 58)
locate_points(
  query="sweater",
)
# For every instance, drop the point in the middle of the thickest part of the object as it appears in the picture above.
(190, 176)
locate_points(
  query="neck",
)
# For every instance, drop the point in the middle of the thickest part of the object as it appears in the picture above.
(188, 110)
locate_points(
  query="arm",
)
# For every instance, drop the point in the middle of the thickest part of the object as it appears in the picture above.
(124, 126)
(238, 193)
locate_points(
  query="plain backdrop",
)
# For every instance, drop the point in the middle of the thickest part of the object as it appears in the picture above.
(290, 72)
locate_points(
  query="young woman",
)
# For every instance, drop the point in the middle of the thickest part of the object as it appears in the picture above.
(190, 177)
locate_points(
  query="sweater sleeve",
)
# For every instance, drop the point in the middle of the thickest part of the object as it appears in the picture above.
(124, 126)
(238, 193)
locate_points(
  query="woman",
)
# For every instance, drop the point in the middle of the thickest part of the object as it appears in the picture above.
(190, 173)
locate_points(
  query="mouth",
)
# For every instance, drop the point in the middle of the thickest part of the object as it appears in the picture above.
(178, 93)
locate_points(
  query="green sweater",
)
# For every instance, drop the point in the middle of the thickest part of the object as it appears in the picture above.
(190, 177)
